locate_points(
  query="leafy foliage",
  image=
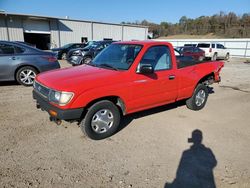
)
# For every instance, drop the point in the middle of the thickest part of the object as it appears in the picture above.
(225, 25)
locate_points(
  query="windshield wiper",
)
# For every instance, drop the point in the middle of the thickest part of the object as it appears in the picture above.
(104, 65)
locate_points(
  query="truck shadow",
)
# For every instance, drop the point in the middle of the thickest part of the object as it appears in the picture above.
(129, 118)
(196, 166)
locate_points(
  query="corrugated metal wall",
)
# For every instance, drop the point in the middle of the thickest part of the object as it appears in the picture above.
(54, 37)
(72, 31)
(68, 31)
(134, 33)
(3, 29)
(15, 28)
(101, 31)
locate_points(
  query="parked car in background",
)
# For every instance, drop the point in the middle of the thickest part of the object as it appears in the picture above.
(26, 43)
(195, 52)
(62, 51)
(85, 55)
(214, 50)
(22, 63)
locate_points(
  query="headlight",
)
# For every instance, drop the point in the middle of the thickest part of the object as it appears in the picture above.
(61, 98)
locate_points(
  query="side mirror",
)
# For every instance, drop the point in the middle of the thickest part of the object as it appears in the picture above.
(146, 69)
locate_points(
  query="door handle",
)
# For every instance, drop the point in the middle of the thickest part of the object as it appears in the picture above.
(171, 77)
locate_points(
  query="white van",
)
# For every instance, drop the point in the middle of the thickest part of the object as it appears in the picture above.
(214, 50)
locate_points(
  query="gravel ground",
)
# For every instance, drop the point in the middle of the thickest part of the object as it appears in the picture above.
(35, 152)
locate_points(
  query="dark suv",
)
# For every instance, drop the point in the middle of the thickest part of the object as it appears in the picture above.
(62, 52)
(22, 63)
(85, 55)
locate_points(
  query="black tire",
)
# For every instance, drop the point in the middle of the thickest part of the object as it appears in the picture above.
(192, 103)
(201, 58)
(227, 56)
(20, 75)
(86, 60)
(64, 56)
(214, 58)
(87, 125)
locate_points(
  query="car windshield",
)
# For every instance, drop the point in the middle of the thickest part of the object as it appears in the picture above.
(179, 49)
(117, 56)
(67, 45)
(92, 45)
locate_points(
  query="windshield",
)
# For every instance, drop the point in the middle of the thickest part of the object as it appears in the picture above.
(92, 45)
(117, 56)
(67, 45)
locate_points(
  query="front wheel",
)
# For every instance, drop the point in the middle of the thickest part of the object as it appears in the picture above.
(214, 58)
(64, 56)
(87, 60)
(101, 120)
(199, 98)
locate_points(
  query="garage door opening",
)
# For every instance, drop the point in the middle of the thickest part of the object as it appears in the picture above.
(41, 41)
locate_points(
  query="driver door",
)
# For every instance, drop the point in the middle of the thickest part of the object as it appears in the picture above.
(159, 87)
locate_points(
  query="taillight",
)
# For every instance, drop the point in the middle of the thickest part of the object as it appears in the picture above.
(50, 59)
(210, 49)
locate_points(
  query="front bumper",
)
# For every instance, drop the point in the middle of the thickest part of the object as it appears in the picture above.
(70, 114)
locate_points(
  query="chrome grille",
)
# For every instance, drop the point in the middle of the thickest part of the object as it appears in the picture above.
(44, 91)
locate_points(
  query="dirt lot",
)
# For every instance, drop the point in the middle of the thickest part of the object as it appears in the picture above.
(35, 152)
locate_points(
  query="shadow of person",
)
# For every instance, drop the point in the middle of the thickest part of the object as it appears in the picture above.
(195, 169)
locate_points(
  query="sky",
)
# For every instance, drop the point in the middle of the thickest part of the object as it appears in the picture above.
(116, 11)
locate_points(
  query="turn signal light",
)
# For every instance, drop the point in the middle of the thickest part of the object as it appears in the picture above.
(53, 113)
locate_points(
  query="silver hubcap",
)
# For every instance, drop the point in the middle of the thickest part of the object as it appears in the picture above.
(64, 56)
(200, 97)
(27, 76)
(102, 121)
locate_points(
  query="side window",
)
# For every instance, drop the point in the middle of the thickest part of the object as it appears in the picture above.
(220, 46)
(159, 57)
(6, 49)
(19, 50)
(213, 45)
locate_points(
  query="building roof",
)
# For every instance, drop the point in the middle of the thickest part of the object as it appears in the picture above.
(57, 18)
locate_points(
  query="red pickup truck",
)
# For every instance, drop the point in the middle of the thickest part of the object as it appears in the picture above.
(124, 78)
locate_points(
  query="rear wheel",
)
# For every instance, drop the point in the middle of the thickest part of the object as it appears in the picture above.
(101, 120)
(26, 75)
(227, 56)
(199, 98)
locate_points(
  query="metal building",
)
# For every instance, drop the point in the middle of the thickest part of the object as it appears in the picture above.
(46, 32)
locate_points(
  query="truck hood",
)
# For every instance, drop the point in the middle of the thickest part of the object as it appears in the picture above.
(79, 78)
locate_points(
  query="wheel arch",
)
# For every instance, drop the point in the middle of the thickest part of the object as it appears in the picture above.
(25, 65)
(114, 99)
(207, 79)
